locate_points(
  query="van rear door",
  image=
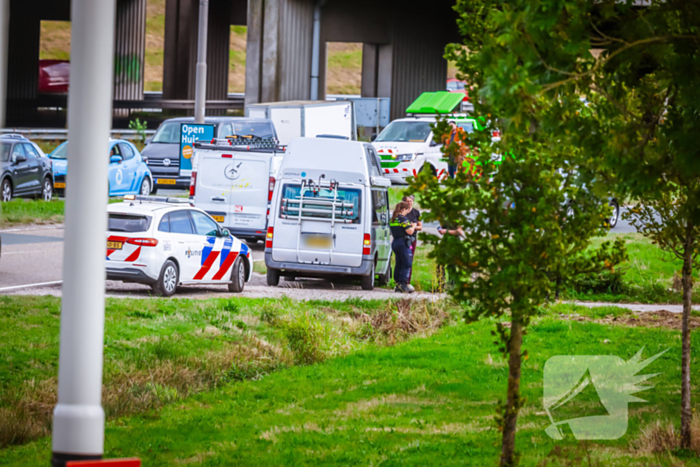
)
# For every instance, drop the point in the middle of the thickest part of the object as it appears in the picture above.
(249, 179)
(316, 238)
(213, 191)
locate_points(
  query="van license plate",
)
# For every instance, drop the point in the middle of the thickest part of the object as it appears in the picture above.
(59, 185)
(218, 218)
(115, 245)
(318, 242)
(165, 181)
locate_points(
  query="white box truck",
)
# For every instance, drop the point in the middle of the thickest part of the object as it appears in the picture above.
(309, 119)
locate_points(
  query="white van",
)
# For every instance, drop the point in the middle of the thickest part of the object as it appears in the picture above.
(406, 146)
(329, 215)
(234, 185)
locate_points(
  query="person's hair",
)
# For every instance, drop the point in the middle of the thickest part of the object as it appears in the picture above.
(406, 198)
(397, 210)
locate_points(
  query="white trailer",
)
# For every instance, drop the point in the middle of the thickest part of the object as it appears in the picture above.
(309, 119)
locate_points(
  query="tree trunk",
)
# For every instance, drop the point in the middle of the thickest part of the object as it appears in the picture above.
(510, 418)
(686, 412)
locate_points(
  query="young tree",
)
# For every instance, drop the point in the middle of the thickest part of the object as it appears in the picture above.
(636, 65)
(520, 243)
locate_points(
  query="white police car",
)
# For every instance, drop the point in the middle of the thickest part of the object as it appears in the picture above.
(165, 242)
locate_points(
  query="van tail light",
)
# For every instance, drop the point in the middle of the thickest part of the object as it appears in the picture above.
(193, 183)
(367, 245)
(271, 189)
(268, 238)
(143, 241)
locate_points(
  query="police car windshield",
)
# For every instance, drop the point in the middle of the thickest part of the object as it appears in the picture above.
(60, 152)
(127, 223)
(5, 151)
(405, 132)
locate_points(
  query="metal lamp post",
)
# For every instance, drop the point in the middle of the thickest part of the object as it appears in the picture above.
(78, 424)
(200, 92)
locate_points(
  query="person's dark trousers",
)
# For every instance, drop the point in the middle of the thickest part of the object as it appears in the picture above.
(451, 169)
(413, 254)
(404, 260)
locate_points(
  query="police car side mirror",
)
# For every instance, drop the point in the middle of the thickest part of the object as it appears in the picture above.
(115, 159)
(225, 233)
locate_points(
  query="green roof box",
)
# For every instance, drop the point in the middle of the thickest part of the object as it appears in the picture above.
(443, 102)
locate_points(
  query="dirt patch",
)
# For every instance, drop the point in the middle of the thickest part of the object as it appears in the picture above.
(650, 319)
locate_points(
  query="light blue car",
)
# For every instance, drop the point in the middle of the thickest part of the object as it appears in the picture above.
(128, 172)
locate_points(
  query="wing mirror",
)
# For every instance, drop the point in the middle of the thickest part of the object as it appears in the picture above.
(149, 140)
(225, 233)
(115, 159)
(19, 158)
(383, 218)
(433, 143)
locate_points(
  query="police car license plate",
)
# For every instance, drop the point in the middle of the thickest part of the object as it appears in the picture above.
(59, 185)
(165, 181)
(115, 245)
(318, 241)
(218, 218)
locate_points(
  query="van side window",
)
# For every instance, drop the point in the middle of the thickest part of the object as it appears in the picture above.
(373, 165)
(379, 206)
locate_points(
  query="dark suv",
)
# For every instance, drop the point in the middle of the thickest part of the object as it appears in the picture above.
(24, 169)
(163, 151)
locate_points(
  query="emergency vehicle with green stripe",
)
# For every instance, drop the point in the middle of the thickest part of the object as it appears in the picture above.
(406, 145)
(166, 242)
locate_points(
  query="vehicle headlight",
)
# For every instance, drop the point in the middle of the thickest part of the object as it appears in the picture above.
(408, 157)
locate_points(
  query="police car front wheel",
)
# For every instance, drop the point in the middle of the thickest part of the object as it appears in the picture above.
(167, 282)
(237, 276)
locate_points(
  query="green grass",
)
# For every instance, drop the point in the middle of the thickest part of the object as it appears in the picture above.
(424, 402)
(160, 351)
(23, 211)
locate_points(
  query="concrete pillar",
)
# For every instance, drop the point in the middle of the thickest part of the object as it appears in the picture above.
(129, 49)
(376, 70)
(180, 54)
(278, 59)
(23, 60)
(4, 36)
(78, 423)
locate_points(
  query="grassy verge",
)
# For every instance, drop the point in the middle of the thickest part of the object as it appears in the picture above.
(648, 276)
(160, 351)
(24, 211)
(424, 402)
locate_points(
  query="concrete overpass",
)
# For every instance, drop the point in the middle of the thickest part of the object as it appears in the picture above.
(403, 47)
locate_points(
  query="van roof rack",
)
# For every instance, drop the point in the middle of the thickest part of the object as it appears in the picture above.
(245, 142)
(157, 199)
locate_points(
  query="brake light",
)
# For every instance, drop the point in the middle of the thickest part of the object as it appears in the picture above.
(193, 183)
(143, 241)
(496, 134)
(367, 245)
(227, 156)
(268, 238)
(271, 189)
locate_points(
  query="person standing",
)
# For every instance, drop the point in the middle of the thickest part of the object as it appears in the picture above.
(401, 230)
(413, 217)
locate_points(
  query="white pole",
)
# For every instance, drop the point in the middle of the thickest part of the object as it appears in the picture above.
(4, 46)
(200, 92)
(316, 49)
(78, 423)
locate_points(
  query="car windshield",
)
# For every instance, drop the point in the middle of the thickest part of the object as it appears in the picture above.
(5, 151)
(60, 152)
(455, 86)
(323, 211)
(405, 132)
(128, 223)
(168, 133)
(247, 127)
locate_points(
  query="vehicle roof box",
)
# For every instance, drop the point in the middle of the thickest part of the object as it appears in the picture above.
(442, 102)
(342, 160)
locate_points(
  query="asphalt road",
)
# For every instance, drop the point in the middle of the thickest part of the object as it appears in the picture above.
(32, 262)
